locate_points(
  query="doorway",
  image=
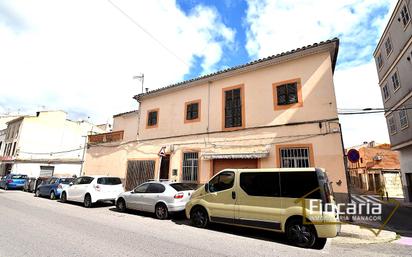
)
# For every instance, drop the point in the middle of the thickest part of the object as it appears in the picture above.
(164, 167)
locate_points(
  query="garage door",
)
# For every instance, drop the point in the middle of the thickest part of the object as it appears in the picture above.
(219, 165)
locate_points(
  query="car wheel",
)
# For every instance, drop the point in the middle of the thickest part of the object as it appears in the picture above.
(63, 198)
(52, 195)
(161, 211)
(199, 217)
(87, 201)
(6, 187)
(299, 234)
(121, 205)
(37, 194)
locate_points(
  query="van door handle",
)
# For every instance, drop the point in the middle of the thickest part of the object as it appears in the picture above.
(233, 195)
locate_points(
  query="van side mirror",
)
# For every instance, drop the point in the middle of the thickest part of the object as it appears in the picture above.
(207, 187)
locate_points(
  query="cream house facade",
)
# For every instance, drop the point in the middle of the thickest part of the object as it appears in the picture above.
(45, 144)
(275, 112)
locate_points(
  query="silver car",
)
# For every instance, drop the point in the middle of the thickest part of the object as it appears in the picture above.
(160, 198)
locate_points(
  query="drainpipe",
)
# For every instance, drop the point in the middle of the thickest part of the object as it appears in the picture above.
(345, 162)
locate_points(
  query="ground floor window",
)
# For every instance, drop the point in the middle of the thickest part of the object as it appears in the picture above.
(190, 166)
(295, 157)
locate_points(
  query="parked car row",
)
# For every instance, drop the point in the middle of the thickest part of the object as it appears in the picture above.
(265, 199)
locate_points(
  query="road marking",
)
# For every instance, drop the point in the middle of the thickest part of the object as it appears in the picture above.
(365, 199)
(371, 199)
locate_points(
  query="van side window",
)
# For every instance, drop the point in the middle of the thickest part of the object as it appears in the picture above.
(298, 184)
(260, 183)
(222, 181)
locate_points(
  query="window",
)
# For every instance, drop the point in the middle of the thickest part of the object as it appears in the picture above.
(86, 180)
(385, 92)
(192, 111)
(395, 81)
(403, 117)
(141, 188)
(77, 181)
(380, 60)
(184, 186)
(109, 181)
(14, 149)
(155, 188)
(221, 182)
(287, 94)
(298, 184)
(260, 183)
(295, 157)
(190, 166)
(388, 46)
(152, 118)
(233, 112)
(405, 15)
(392, 125)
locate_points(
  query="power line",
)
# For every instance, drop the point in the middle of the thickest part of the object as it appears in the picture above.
(372, 110)
(148, 33)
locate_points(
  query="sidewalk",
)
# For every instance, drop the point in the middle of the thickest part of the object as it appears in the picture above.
(354, 234)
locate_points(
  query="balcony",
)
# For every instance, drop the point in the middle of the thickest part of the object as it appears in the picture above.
(106, 137)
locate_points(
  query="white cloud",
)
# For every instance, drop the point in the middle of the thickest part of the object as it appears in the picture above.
(358, 88)
(282, 25)
(81, 55)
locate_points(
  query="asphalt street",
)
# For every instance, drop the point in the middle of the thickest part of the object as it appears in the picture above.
(33, 226)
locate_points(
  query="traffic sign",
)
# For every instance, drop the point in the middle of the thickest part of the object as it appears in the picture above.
(162, 151)
(353, 155)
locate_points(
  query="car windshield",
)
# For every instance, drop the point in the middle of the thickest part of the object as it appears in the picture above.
(184, 186)
(109, 181)
(18, 177)
(66, 180)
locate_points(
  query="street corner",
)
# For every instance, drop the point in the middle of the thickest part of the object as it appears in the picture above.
(355, 234)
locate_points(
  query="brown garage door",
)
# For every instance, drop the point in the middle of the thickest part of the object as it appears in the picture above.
(219, 165)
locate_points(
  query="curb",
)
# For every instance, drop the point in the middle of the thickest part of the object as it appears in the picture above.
(353, 234)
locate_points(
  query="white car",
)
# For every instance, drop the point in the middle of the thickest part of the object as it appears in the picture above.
(92, 189)
(156, 197)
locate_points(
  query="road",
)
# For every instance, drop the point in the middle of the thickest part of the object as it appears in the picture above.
(399, 222)
(33, 226)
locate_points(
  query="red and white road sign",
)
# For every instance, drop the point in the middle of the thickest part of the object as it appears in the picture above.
(162, 151)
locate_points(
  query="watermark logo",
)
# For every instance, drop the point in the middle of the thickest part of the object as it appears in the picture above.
(318, 212)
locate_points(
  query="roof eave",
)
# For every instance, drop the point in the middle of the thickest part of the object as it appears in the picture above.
(332, 46)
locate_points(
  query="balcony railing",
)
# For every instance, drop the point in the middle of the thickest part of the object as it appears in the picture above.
(106, 137)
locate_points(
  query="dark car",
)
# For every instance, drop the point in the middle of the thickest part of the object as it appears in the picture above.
(29, 184)
(13, 181)
(52, 187)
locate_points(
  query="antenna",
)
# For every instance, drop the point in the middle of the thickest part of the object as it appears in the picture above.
(140, 78)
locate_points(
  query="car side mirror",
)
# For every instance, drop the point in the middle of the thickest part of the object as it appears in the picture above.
(207, 187)
(70, 184)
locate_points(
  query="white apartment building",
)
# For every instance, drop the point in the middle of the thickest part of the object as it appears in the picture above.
(45, 144)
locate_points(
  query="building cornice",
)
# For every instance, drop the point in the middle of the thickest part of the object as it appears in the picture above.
(331, 46)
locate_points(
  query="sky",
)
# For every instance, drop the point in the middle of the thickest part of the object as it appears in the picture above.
(82, 56)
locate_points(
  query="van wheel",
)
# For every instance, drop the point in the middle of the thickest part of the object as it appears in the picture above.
(161, 211)
(301, 235)
(63, 197)
(121, 205)
(199, 217)
(87, 201)
(52, 195)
